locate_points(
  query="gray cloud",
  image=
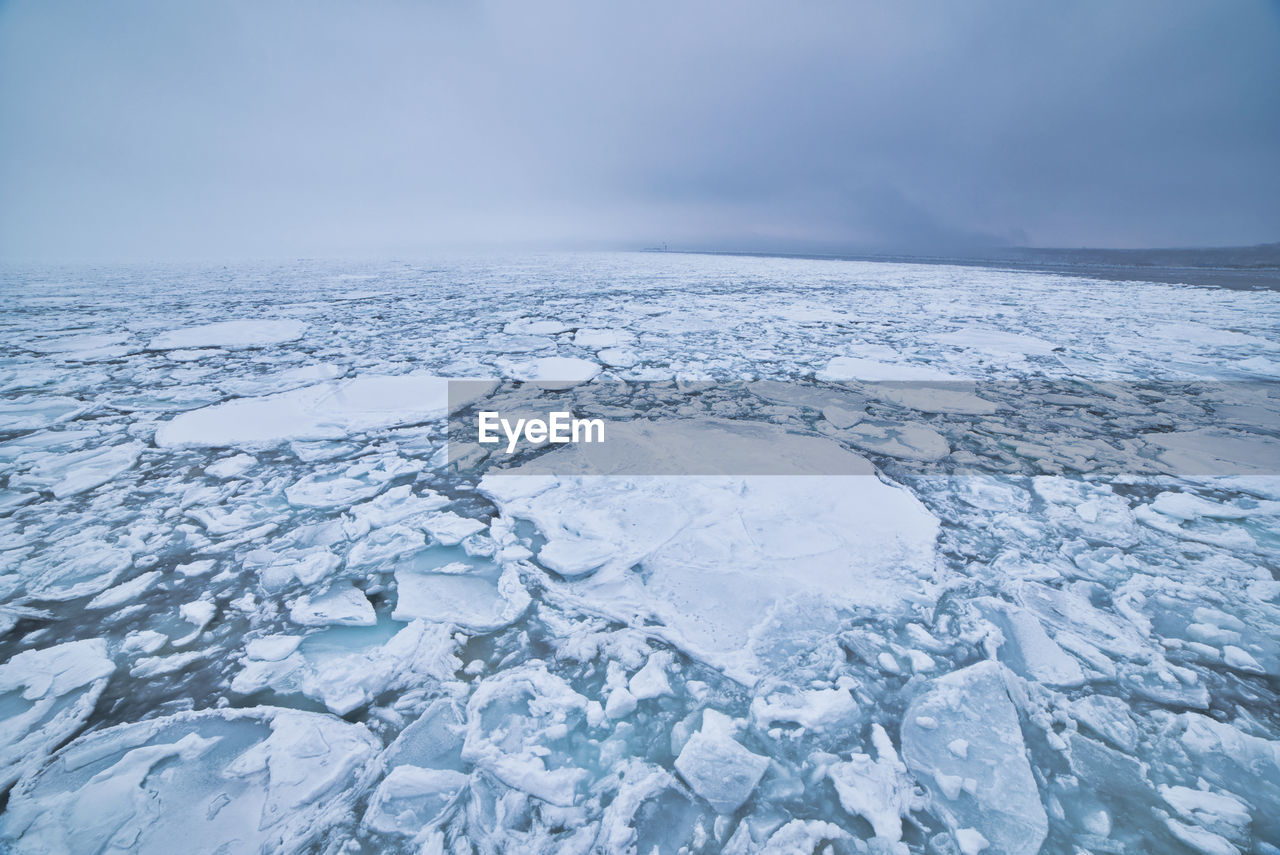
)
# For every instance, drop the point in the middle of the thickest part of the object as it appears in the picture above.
(153, 129)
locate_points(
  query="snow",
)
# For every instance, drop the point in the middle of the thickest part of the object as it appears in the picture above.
(230, 334)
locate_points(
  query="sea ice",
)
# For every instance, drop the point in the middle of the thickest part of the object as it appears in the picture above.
(35, 413)
(877, 789)
(231, 335)
(862, 369)
(410, 799)
(246, 780)
(558, 372)
(341, 605)
(991, 789)
(514, 721)
(335, 668)
(717, 767)
(49, 693)
(474, 598)
(730, 568)
(332, 410)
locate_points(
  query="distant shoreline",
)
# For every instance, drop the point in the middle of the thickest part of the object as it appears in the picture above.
(1237, 269)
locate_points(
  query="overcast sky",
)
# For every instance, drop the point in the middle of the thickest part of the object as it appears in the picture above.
(273, 129)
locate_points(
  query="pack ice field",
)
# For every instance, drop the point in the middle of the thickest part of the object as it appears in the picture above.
(249, 605)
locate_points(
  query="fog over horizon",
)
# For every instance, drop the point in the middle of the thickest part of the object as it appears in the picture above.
(146, 130)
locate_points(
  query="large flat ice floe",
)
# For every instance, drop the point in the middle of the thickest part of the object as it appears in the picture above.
(231, 335)
(320, 412)
(739, 571)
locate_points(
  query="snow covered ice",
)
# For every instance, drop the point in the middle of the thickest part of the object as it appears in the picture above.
(251, 604)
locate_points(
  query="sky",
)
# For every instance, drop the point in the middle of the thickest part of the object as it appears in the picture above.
(226, 129)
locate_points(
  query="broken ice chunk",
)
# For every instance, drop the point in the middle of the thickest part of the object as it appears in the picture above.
(733, 568)
(230, 467)
(1027, 648)
(717, 767)
(76, 472)
(651, 680)
(1219, 813)
(596, 338)
(971, 841)
(341, 605)
(535, 326)
(649, 813)
(330, 491)
(251, 780)
(308, 566)
(1238, 763)
(1003, 802)
(514, 720)
(433, 741)
(866, 370)
(335, 668)
(411, 798)
(80, 567)
(272, 648)
(807, 835)
(450, 529)
(461, 593)
(38, 412)
(49, 693)
(878, 790)
(331, 410)
(815, 710)
(125, 592)
(620, 704)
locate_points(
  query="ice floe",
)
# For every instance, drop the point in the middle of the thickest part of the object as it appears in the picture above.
(230, 334)
(332, 410)
(258, 779)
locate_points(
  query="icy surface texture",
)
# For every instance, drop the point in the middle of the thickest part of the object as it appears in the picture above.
(246, 604)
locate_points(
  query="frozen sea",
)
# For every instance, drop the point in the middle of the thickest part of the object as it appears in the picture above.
(248, 601)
